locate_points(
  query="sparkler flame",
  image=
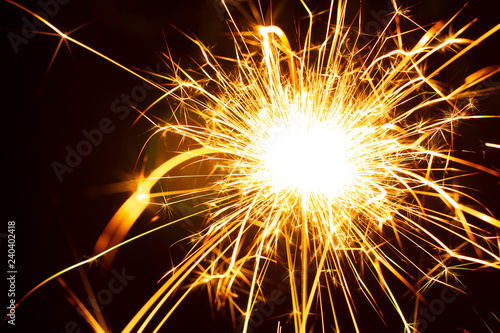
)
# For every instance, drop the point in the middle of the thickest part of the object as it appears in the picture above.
(294, 158)
(318, 157)
(327, 156)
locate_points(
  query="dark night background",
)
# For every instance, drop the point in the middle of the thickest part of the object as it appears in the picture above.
(57, 223)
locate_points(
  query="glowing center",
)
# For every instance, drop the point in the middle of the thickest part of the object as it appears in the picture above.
(308, 160)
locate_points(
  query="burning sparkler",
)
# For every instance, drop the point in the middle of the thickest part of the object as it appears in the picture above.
(323, 156)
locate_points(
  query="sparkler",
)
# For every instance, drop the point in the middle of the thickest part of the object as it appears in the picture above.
(319, 157)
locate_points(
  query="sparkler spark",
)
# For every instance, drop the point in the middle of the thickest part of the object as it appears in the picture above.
(324, 157)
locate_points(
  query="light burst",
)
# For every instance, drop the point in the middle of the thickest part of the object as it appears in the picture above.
(322, 157)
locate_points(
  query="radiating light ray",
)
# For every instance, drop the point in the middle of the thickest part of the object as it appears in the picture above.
(492, 145)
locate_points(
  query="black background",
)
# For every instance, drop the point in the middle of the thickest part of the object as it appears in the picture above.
(59, 222)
